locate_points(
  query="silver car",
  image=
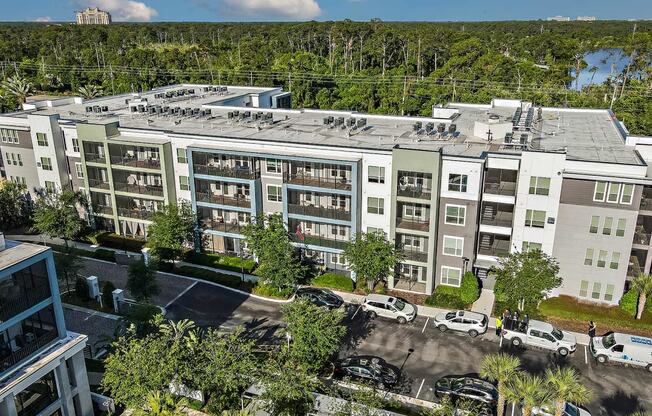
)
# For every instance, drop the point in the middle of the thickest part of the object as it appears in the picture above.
(472, 323)
(389, 307)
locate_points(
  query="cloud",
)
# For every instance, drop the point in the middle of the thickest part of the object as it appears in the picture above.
(292, 9)
(43, 19)
(122, 10)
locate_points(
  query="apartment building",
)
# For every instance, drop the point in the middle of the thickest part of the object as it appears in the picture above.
(93, 16)
(42, 369)
(455, 191)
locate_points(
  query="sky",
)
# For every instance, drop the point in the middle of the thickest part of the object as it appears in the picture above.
(292, 10)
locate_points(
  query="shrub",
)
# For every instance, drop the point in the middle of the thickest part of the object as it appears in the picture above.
(81, 289)
(107, 294)
(333, 281)
(95, 236)
(209, 275)
(104, 254)
(120, 242)
(470, 289)
(269, 291)
(456, 297)
(220, 261)
(629, 303)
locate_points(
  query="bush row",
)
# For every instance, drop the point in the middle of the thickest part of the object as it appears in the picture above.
(456, 297)
(119, 242)
(220, 261)
(211, 276)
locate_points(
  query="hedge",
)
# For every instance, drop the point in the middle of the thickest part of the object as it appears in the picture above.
(104, 254)
(120, 242)
(629, 302)
(269, 291)
(456, 297)
(219, 261)
(334, 281)
(208, 275)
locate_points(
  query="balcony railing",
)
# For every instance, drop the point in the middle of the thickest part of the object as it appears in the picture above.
(497, 249)
(646, 204)
(141, 214)
(500, 188)
(149, 163)
(16, 303)
(501, 219)
(103, 209)
(221, 226)
(634, 267)
(30, 347)
(412, 224)
(318, 181)
(138, 189)
(414, 192)
(420, 256)
(320, 212)
(227, 171)
(94, 157)
(314, 240)
(237, 200)
(641, 237)
(98, 183)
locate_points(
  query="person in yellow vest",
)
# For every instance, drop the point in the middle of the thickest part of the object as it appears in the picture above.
(499, 326)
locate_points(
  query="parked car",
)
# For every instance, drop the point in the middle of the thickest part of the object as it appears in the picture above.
(320, 297)
(623, 348)
(472, 323)
(467, 388)
(542, 335)
(569, 410)
(389, 307)
(368, 369)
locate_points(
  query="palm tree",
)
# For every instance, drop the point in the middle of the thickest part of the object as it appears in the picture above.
(236, 413)
(500, 368)
(643, 285)
(565, 386)
(529, 391)
(18, 87)
(89, 91)
(157, 404)
(177, 329)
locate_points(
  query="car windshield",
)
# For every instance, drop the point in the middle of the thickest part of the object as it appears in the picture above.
(451, 315)
(400, 304)
(571, 410)
(557, 334)
(608, 341)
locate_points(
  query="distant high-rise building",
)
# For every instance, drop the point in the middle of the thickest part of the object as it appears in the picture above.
(93, 16)
(586, 18)
(559, 19)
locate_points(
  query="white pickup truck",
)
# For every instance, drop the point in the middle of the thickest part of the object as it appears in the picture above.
(540, 334)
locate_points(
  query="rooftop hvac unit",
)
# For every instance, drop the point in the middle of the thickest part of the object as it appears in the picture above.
(224, 89)
(247, 114)
(97, 109)
(430, 127)
(195, 111)
(151, 110)
(191, 91)
(326, 121)
(235, 113)
(241, 116)
(523, 139)
(229, 115)
(417, 126)
(205, 89)
(202, 113)
(132, 108)
(269, 116)
(441, 127)
(452, 128)
(105, 108)
(208, 111)
(182, 112)
(350, 121)
(362, 122)
(177, 110)
(141, 108)
(508, 138)
(89, 109)
(331, 119)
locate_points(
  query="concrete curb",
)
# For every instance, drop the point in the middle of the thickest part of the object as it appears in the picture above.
(92, 311)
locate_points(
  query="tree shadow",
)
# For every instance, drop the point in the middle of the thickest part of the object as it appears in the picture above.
(359, 326)
(621, 404)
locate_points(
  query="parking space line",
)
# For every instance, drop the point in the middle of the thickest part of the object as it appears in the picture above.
(586, 356)
(420, 387)
(512, 409)
(356, 312)
(424, 325)
(180, 294)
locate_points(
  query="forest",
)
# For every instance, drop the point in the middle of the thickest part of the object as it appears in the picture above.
(375, 66)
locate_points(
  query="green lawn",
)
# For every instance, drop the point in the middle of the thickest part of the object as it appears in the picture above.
(570, 314)
(333, 281)
(220, 261)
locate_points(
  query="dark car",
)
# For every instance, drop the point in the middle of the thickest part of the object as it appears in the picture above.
(368, 369)
(320, 297)
(467, 388)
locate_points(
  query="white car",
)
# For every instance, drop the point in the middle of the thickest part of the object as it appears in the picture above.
(389, 307)
(569, 410)
(472, 323)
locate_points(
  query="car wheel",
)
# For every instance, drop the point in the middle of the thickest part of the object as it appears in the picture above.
(563, 352)
(372, 315)
(473, 333)
(401, 320)
(649, 368)
(602, 359)
(516, 342)
(442, 328)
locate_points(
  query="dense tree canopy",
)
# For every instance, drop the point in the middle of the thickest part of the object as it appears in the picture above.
(398, 67)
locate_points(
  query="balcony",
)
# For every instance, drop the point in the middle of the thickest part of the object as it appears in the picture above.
(414, 184)
(318, 181)
(31, 342)
(136, 213)
(92, 157)
(414, 192)
(314, 240)
(152, 190)
(641, 237)
(136, 162)
(240, 172)
(646, 199)
(500, 182)
(98, 184)
(320, 212)
(103, 209)
(221, 226)
(412, 224)
(492, 245)
(16, 299)
(413, 255)
(499, 215)
(237, 200)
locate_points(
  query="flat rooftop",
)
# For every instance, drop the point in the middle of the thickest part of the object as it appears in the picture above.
(583, 134)
(15, 252)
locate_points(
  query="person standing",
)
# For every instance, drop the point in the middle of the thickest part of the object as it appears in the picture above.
(499, 326)
(592, 328)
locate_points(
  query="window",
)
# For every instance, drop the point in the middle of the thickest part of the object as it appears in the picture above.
(530, 246)
(455, 214)
(375, 205)
(453, 246)
(9, 136)
(182, 156)
(20, 159)
(600, 191)
(338, 259)
(626, 194)
(79, 169)
(614, 192)
(595, 293)
(609, 293)
(274, 193)
(376, 174)
(620, 227)
(184, 183)
(608, 225)
(75, 145)
(457, 182)
(273, 166)
(50, 186)
(451, 276)
(38, 396)
(371, 230)
(411, 241)
(602, 258)
(615, 259)
(595, 223)
(584, 288)
(534, 218)
(46, 163)
(41, 139)
(539, 185)
(588, 257)
(412, 211)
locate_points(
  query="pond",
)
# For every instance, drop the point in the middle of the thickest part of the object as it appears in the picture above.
(605, 63)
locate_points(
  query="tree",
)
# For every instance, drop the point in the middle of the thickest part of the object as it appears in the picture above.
(528, 391)
(287, 387)
(81, 289)
(17, 87)
(68, 264)
(268, 239)
(171, 231)
(57, 214)
(90, 91)
(565, 386)
(523, 278)
(500, 368)
(316, 332)
(643, 285)
(141, 281)
(163, 404)
(15, 205)
(372, 257)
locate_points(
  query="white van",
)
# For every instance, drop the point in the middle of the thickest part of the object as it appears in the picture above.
(623, 348)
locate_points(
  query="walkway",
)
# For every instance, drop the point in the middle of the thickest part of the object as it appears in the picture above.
(485, 303)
